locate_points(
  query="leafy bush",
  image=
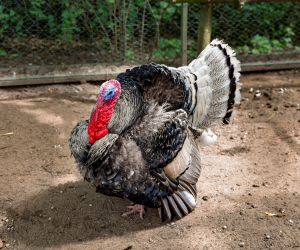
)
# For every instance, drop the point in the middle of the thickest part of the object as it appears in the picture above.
(143, 29)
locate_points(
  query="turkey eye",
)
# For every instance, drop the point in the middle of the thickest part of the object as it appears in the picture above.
(110, 92)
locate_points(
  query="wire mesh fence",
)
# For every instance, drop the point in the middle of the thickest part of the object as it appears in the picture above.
(53, 34)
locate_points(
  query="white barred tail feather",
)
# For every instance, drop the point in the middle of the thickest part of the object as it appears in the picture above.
(216, 100)
(213, 80)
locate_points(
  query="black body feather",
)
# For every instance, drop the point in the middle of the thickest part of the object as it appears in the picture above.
(125, 166)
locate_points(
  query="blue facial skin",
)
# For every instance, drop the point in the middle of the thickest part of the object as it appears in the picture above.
(109, 93)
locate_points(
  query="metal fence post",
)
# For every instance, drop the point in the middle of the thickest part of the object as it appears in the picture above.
(184, 20)
(204, 26)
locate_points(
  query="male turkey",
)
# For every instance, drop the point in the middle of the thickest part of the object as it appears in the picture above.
(141, 140)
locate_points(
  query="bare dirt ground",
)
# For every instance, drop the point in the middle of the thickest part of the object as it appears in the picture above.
(252, 169)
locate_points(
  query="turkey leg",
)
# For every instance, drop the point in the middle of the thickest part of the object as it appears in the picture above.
(135, 209)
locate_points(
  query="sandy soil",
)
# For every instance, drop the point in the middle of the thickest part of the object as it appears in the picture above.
(252, 169)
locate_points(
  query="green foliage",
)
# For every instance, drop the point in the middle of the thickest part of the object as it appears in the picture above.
(263, 45)
(2, 53)
(130, 54)
(121, 29)
(167, 49)
(258, 28)
(192, 49)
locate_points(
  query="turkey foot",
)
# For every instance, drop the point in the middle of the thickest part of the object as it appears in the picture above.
(136, 209)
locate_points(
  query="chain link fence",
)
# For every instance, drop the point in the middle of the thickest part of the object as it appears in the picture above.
(40, 37)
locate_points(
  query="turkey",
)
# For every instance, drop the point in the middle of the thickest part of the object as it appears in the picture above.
(141, 141)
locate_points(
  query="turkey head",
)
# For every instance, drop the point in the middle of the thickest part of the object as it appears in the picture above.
(109, 94)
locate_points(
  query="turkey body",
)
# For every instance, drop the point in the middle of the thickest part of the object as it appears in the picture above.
(150, 154)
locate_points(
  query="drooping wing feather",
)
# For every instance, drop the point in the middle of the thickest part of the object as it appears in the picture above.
(98, 151)
(160, 135)
(79, 142)
(180, 199)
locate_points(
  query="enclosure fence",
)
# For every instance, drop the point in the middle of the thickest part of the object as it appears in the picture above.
(42, 38)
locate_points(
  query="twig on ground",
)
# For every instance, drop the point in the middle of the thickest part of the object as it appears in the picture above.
(11, 133)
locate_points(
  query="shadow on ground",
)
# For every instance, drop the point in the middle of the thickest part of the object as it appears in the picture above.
(73, 212)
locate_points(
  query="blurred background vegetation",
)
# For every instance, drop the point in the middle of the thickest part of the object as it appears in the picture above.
(40, 32)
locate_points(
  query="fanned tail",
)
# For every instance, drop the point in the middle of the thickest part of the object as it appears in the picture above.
(217, 71)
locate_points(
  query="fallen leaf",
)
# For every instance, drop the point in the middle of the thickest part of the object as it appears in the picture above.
(276, 215)
(50, 90)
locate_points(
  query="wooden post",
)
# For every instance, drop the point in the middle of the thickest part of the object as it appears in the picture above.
(204, 27)
(184, 20)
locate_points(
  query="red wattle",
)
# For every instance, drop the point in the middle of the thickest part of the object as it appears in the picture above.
(105, 108)
(102, 133)
(92, 140)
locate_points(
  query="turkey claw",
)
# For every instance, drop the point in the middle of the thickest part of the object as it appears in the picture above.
(135, 209)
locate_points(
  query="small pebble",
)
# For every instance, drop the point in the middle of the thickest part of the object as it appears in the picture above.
(275, 109)
(242, 213)
(290, 221)
(78, 88)
(242, 244)
(257, 96)
(225, 227)
(268, 237)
